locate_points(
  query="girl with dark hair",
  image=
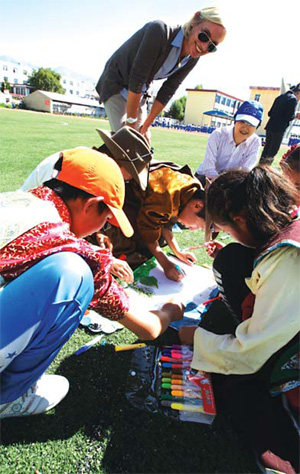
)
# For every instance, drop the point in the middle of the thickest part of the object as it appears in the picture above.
(255, 354)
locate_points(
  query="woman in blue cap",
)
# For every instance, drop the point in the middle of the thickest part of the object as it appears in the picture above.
(235, 146)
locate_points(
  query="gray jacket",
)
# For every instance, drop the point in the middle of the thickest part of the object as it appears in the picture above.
(136, 62)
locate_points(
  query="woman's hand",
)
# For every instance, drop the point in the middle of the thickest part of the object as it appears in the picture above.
(122, 270)
(144, 130)
(213, 248)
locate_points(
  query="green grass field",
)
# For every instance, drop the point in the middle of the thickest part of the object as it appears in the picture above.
(94, 430)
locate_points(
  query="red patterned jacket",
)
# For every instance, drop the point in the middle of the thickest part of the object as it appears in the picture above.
(48, 238)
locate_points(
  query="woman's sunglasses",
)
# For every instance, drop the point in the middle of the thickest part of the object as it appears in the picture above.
(204, 38)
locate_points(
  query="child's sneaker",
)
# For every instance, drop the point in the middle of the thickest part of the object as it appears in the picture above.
(47, 392)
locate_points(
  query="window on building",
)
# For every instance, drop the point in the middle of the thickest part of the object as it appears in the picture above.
(228, 102)
(64, 81)
(15, 69)
(25, 72)
(223, 100)
(5, 78)
(71, 92)
(218, 98)
(5, 68)
(71, 83)
(77, 92)
(257, 97)
(16, 81)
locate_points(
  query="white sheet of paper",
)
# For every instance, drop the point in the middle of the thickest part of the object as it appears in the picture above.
(195, 287)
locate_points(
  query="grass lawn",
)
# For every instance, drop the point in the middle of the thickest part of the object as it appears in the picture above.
(94, 430)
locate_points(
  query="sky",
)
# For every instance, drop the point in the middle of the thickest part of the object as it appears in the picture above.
(259, 50)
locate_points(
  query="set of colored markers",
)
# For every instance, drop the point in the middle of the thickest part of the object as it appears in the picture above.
(181, 391)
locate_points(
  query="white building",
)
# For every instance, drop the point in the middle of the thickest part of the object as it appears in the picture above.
(53, 102)
(17, 74)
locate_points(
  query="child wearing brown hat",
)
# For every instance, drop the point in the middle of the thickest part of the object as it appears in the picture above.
(50, 275)
(132, 153)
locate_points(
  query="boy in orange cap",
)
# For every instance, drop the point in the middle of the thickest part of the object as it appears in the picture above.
(50, 275)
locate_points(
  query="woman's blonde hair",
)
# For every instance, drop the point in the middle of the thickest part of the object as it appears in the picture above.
(209, 14)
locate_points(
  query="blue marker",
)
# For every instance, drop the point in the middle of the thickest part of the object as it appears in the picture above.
(89, 344)
(180, 270)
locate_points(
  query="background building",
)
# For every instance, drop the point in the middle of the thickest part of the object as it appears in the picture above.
(266, 96)
(211, 108)
(17, 74)
(53, 102)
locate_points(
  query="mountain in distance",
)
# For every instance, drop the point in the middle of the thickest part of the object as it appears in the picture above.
(63, 71)
(9, 59)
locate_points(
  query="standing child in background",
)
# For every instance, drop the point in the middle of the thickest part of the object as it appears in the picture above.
(258, 279)
(290, 165)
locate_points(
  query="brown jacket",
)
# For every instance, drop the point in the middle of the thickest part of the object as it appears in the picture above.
(167, 193)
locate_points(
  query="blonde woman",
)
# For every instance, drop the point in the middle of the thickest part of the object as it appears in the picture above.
(156, 51)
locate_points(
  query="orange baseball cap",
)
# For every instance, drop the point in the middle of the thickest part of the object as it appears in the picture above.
(99, 175)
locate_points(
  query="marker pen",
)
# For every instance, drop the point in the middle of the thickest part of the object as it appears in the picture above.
(167, 396)
(186, 387)
(186, 394)
(175, 360)
(89, 344)
(187, 407)
(169, 365)
(129, 347)
(171, 386)
(174, 381)
(177, 346)
(180, 270)
(172, 375)
(176, 354)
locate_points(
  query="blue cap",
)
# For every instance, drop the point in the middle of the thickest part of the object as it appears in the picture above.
(250, 111)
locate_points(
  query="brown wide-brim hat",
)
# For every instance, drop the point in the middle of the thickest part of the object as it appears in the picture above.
(131, 150)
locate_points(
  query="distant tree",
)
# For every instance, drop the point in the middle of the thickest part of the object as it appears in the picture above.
(177, 108)
(5, 85)
(46, 79)
(200, 86)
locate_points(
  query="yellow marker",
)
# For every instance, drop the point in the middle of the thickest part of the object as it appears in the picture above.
(186, 407)
(128, 347)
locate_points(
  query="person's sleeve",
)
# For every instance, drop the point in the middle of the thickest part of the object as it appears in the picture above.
(275, 320)
(251, 158)
(110, 300)
(41, 173)
(152, 217)
(208, 166)
(171, 84)
(149, 50)
(290, 109)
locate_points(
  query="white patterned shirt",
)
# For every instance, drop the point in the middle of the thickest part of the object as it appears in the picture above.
(222, 153)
